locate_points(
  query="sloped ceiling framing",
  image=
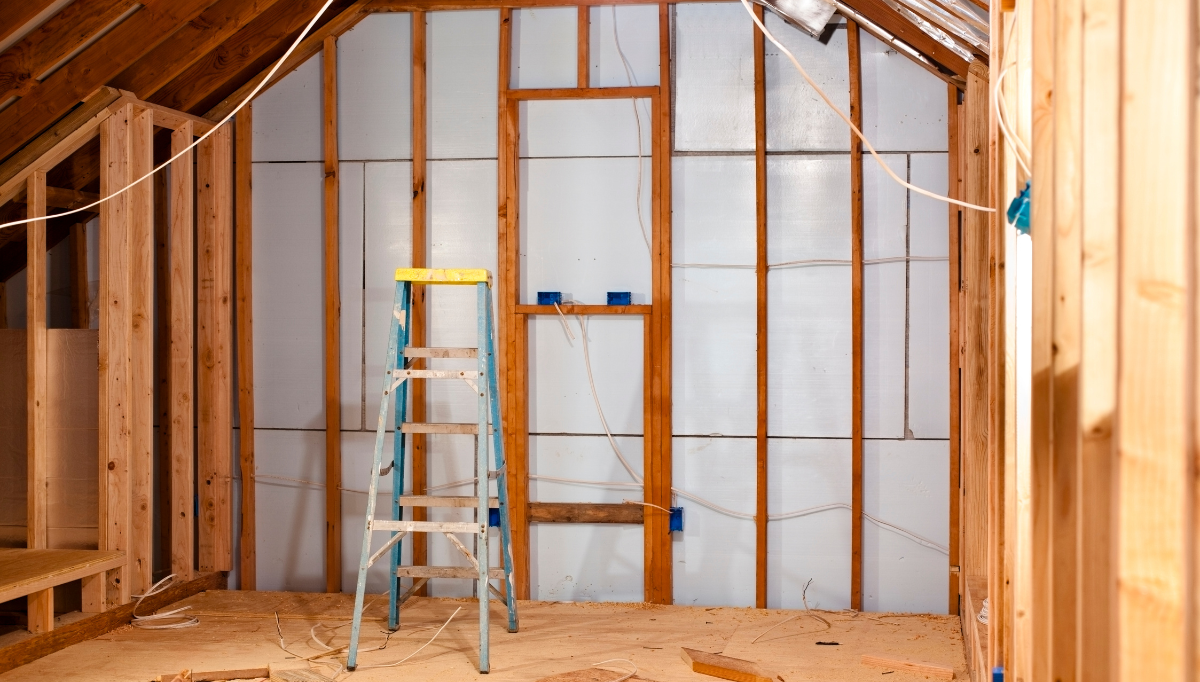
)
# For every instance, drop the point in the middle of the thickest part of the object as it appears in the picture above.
(201, 56)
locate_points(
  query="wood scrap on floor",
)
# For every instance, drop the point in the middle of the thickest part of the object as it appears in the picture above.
(941, 672)
(725, 667)
(296, 671)
(592, 675)
(214, 676)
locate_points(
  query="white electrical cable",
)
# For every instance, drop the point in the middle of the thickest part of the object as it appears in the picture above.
(638, 118)
(148, 622)
(1020, 151)
(854, 128)
(620, 660)
(202, 138)
(435, 636)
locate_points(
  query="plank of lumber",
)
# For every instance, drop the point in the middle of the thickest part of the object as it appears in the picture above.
(941, 672)
(80, 314)
(24, 571)
(180, 382)
(254, 46)
(891, 21)
(31, 649)
(14, 15)
(162, 353)
(308, 47)
(218, 675)
(581, 309)
(214, 263)
(760, 278)
(583, 58)
(100, 61)
(115, 331)
(95, 105)
(856, 316)
(586, 93)
(954, 287)
(140, 204)
(36, 372)
(724, 667)
(579, 512)
(333, 321)
(195, 39)
(420, 259)
(244, 253)
(49, 44)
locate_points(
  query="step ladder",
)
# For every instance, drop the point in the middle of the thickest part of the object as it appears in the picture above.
(483, 381)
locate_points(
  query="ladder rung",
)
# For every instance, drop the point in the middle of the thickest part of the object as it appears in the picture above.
(428, 526)
(411, 352)
(422, 427)
(465, 572)
(444, 501)
(435, 373)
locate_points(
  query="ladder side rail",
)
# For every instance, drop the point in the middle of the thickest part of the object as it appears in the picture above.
(404, 290)
(502, 476)
(398, 314)
(481, 440)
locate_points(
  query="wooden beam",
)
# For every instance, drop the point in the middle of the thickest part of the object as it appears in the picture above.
(116, 316)
(954, 287)
(1156, 399)
(37, 383)
(513, 328)
(214, 262)
(658, 442)
(576, 512)
(579, 309)
(856, 325)
(58, 142)
(140, 205)
(583, 57)
(48, 45)
(80, 314)
(162, 354)
(33, 648)
(333, 321)
(195, 39)
(99, 62)
(420, 259)
(244, 252)
(180, 402)
(15, 15)
(1098, 466)
(893, 22)
(308, 47)
(760, 277)
(649, 91)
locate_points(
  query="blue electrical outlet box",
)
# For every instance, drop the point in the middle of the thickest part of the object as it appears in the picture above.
(675, 520)
(998, 674)
(549, 297)
(618, 298)
(494, 518)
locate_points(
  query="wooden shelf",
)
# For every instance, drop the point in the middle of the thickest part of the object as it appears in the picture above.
(584, 93)
(572, 309)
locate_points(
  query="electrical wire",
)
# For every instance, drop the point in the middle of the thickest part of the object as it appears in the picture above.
(148, 622)
(422, 647)
(638, 118)
(1020, 151)
(854, 128)
(620, 660)
(202, 138)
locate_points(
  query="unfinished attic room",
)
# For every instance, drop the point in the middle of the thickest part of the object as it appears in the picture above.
(447, 340)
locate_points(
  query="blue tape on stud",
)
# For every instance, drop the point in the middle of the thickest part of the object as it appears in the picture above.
(619, 298)
(494, 518)
(675, 521)
(549, 297)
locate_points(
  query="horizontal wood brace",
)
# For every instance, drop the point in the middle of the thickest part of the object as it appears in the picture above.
(465, 353)
(575, 309)
(428, 526)
(648, 92)
(579, 512)
(421, 427)
(463, 572)
(465, 502)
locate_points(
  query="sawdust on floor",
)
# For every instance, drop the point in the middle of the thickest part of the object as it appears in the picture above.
(238, 630)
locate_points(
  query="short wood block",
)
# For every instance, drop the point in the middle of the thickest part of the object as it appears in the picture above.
(93, 593)
(41, 611)
(724, 667)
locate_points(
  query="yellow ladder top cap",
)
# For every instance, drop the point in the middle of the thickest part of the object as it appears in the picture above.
(444, 276)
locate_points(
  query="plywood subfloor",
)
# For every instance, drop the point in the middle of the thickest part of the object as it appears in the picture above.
(237, 630)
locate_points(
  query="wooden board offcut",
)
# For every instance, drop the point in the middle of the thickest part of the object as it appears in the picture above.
(724, 667)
